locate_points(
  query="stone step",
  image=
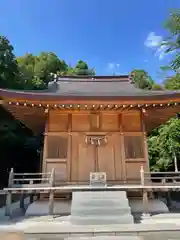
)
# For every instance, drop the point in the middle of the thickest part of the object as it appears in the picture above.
(101, 220)
(101, 210)
(103, 238)
(100, 195)
(99, 202)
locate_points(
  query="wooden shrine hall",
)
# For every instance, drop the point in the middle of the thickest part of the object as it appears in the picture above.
(93, 124)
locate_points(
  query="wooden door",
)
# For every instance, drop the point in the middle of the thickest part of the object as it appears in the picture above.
(83, 159)
(106, 158)
(88, 158)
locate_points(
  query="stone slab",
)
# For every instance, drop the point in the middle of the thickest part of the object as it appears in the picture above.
(166, 215)
(104, 238)
(101, 220)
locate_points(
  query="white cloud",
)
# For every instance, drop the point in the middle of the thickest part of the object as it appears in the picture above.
(160, 52)
(154, 41)
(113, 66)
(145, 60)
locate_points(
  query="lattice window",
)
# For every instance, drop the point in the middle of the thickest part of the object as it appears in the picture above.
(134, 147)
(57, 147)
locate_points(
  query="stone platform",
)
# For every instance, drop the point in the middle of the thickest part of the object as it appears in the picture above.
(61, 207)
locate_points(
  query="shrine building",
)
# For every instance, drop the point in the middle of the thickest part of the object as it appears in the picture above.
(93, 124)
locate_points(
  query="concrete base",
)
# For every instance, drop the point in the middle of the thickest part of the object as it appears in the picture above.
(39, 208)
(155, 206)
(163, 218)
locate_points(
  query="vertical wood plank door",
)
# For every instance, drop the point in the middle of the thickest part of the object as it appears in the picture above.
(106, 158)
(83, 159)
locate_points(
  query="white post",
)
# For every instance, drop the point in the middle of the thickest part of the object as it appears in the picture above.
(175, 163)
(9, 194)
(142, 175)
(51, 193)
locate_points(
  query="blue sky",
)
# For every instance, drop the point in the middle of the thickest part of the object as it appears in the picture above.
(112, 36)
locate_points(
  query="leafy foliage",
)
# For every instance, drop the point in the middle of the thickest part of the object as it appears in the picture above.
(31, 72)
(164, 145)
(173, 83)
(156, 86)
(172, 42)
(141, 79)
(9, 71)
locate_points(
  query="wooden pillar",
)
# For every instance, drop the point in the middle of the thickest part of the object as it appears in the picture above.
(168, 199)
(69, 159)
(146, 156)
(122, 146)
(44, 153)
(45, 142)
(22, 197)
(51, 193)
(31, 198)
(145, 203)
(9, 194)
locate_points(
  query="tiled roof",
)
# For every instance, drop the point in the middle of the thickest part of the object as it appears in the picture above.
(89, 88)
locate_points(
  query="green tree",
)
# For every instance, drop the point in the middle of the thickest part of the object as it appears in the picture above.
(172, 42)
(164, 146)
(36, 70)
(157, 87)
(82, 68)
(141, 79)
(9, 71)
(173, 83)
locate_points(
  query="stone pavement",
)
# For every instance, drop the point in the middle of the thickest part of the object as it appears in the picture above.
(164, 226)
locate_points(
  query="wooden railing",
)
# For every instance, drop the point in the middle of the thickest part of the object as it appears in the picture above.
(28, 180)
(24, 179)
(40, 183)
(164, 178)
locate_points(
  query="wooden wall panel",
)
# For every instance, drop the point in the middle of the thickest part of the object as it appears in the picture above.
(109, 122)
(133, 169)
(106, 161)
(57, 122)
(131, 122)
(60, 169)
(57, 147)
(74, 157)
(94, 121)
(134, 147)
(119, 163)
(80, 122)
(86, 160)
